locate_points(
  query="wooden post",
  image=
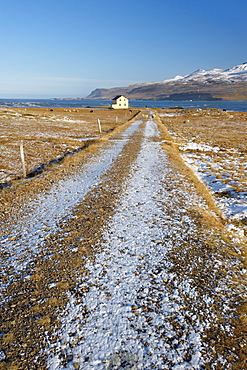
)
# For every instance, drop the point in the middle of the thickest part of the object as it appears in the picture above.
(23, 159)
(99, 126)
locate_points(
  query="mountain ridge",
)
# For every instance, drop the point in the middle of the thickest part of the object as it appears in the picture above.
(216, 84)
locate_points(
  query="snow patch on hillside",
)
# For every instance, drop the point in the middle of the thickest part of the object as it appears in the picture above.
(233, 74)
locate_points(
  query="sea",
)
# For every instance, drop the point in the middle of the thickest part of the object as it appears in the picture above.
(237, 106)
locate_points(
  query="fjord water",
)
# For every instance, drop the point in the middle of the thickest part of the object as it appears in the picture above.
(238, 106)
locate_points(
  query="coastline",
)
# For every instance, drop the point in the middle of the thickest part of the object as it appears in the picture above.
(229, 105)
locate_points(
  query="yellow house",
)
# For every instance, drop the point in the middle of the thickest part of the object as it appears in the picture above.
(120, 102)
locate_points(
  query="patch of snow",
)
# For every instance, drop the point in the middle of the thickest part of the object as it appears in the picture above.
(67, 120)
(167, 114)
(176, 78)
(232, 204)
(87, 138)
(200, 147)
(237, 69)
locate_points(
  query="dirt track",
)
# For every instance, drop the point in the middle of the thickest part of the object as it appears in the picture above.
(133, 274)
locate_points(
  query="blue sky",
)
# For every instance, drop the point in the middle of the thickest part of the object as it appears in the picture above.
(67, 48)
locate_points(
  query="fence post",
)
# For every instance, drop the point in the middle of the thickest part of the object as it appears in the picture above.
(23, 159)
(99, 126)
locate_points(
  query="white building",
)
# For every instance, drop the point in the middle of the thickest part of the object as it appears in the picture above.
(120, 102)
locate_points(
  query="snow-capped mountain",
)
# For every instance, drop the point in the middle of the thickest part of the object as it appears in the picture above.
(219, 84)
(241, 68)
(238, 73)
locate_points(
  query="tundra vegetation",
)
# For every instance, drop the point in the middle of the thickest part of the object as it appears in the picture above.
(164, 225)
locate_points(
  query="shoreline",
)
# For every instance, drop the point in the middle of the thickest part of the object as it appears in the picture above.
(229, 105)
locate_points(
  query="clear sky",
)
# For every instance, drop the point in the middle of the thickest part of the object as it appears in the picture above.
(67, 48)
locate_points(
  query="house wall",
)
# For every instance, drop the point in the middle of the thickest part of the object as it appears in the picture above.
(120, 103)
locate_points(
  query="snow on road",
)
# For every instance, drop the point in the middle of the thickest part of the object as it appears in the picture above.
(23, 241)
(133, 312)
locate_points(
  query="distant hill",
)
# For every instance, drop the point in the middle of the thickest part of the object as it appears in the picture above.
(213, 84)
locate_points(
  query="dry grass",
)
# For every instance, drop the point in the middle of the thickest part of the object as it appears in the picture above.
(225, 167)
(172, 150)
(49, 134)
(213, 141)
(214, 128)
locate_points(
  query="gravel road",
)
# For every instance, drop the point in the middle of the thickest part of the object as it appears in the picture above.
(117, 266)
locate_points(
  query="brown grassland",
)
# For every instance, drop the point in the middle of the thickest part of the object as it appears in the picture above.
(224, 135)
(215, 139)
(49, 135)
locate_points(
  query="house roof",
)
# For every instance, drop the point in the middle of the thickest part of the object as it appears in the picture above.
(119, 96)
